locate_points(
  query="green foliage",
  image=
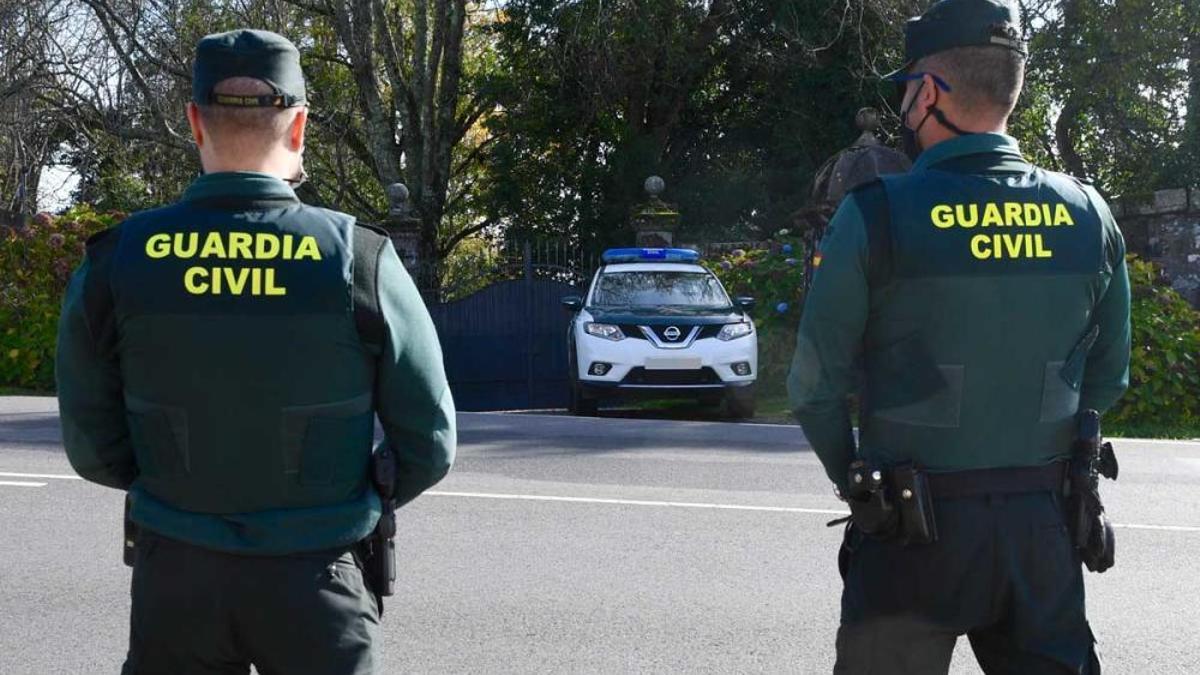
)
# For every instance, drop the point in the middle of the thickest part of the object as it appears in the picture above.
(735, 104)
(35, 265)
(474, 265)
(1105, 90)
(774, 276)
(1164, 373)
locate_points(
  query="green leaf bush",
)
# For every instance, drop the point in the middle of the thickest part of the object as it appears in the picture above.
(36, 262)
(773, 274)
(1164, 371)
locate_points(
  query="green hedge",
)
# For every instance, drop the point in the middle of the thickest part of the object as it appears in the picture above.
(36, 262)
(1164, 372)
(1164, 395)
(1164, 391)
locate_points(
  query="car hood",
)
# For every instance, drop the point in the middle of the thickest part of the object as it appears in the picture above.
(665, 317)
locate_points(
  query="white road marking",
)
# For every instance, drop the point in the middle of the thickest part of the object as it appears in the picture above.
(9, 474)
(549, 413)
(1162, 528)
(637, 502)
(599, 500)
(20, 483)
(725, 507)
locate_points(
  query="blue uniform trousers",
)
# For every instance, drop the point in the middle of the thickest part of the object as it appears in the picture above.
(1003, 572)
(201, 611)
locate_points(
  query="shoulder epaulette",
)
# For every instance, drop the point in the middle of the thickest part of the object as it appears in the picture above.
(867, 186)
(369, 242)
(872, 200)
(374, 228)
(101, 237)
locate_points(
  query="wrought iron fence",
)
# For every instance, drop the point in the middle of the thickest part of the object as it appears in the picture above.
(459, 276)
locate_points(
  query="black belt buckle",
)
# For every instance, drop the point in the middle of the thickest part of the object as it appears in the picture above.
(915, 503)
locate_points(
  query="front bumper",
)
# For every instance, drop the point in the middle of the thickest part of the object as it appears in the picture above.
(638, 366)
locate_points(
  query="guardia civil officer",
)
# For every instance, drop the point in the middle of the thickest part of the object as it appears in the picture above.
(223, 359)
(980, 302)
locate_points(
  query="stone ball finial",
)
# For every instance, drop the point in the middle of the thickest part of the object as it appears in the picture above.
(867, 119)
(654, 186)
(397, 194)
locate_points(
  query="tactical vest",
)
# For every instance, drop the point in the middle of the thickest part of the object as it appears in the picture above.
(246, 342)
(982, 289)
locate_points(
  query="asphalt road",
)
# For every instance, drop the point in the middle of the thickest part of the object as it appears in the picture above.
(562, 545)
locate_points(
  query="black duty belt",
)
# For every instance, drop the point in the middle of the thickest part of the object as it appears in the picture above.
(1009, 480)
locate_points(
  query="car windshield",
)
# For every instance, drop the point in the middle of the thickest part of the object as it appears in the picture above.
(698, 290)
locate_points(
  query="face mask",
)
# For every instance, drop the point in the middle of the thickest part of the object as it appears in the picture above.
(908, 136)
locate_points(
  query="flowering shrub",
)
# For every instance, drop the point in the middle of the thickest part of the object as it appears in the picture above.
(36, 262)
(774, 276)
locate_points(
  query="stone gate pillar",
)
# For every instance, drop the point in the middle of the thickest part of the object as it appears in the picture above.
(655, 221)
(404, 228)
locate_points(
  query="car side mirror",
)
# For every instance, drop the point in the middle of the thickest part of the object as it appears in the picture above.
(745, 304)
(572, 303)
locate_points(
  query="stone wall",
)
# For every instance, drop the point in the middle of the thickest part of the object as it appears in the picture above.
(1164, 227)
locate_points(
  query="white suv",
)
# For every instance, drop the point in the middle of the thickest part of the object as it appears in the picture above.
(655, 323)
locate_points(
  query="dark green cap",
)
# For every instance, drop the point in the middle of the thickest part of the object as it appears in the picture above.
(260, 54)
(948, 24)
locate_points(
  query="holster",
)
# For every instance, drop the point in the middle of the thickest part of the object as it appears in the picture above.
(1091, 531)
(129, 540)
(379, 556)
(377, 553)
(871, 508)
(915, 503)
(892, 504)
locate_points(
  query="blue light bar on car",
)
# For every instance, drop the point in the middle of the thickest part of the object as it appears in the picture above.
(629, 255)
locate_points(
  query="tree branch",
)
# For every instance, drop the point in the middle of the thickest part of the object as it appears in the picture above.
(101, 11)
(448, 247)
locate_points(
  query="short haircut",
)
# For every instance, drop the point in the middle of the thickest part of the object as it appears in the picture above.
(982, 79)
(249, 130)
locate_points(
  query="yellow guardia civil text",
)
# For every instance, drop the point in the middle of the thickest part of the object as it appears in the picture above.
(225, 280)
(1007, 215)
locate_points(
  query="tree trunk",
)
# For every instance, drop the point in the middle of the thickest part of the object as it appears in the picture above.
(1066, 129)
(1190, 143)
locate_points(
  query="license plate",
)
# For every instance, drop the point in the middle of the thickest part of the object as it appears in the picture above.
(673, 364)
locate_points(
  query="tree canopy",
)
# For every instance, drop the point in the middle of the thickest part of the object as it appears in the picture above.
(543, 117)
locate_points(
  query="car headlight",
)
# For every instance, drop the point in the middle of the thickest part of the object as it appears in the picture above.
(732, 331)
(604, 330)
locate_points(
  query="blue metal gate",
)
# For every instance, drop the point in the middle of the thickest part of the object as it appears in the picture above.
(505, 345)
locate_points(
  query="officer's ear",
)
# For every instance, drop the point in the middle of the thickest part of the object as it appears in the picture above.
(927, 95)
(296, 130)
(194, 119)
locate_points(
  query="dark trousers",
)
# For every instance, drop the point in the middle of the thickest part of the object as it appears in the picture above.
(202, 611)
(1003, 572)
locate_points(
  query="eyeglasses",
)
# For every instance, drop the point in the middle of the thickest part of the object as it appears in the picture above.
(908, 77)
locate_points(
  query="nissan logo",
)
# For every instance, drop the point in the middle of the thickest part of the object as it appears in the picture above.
(671, 333)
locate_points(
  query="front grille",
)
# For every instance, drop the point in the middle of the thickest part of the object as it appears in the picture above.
(709, 331)
(631, 331)
(660, 333)
(671, 377)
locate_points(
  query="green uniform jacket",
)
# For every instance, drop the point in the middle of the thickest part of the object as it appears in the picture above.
(975, 303)
(210, 362)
